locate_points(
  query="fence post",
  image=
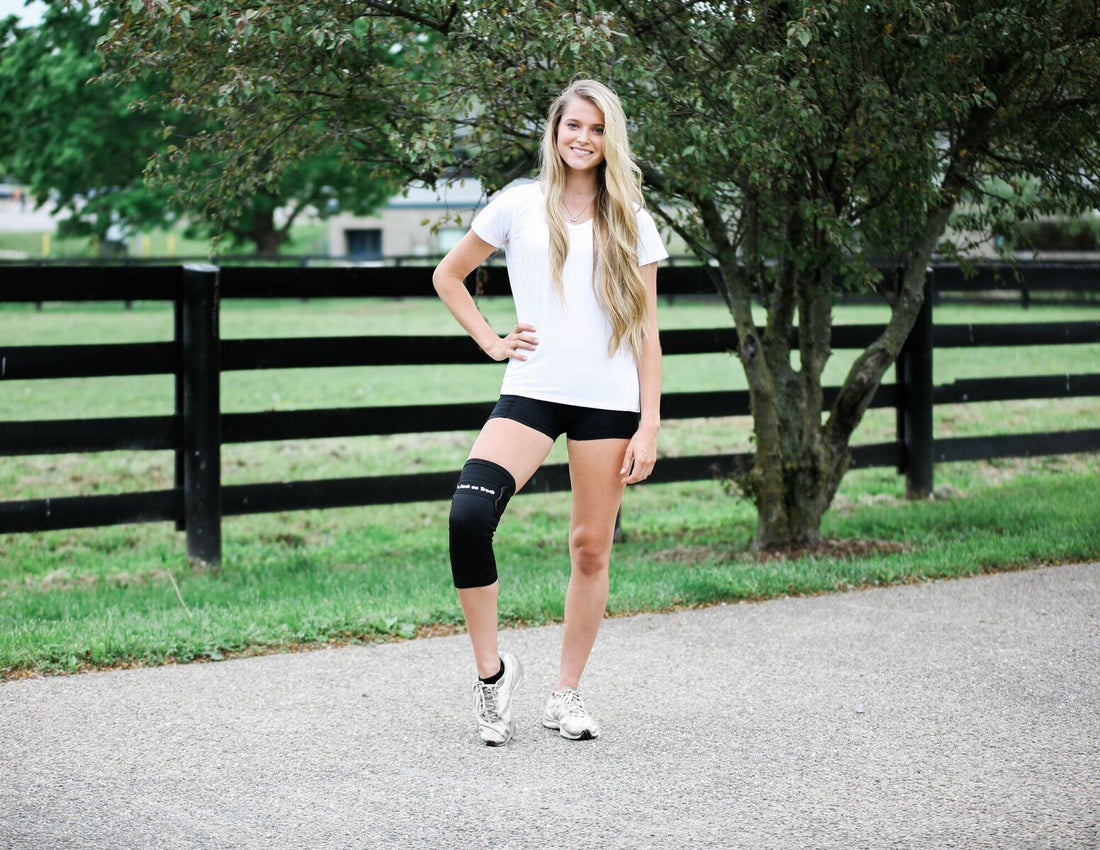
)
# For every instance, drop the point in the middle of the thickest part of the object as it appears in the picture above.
(177, 321)
(202, 497)
(899, 410)
(899, 384)
(916, 369)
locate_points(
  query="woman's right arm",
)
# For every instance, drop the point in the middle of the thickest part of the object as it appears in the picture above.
(470, 252)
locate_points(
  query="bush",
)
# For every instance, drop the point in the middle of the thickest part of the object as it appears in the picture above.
(1056, 234)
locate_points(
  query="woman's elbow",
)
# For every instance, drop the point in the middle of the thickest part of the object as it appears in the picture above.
(440, 280)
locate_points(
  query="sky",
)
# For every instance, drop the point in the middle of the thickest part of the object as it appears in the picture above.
(31, 14)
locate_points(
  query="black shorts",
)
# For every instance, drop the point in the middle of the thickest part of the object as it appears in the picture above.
(577, 423)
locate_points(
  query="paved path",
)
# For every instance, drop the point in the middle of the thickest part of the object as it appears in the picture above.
(949, 714)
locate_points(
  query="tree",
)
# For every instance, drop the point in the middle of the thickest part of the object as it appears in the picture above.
(74, 144)
(81, 145)
(791, 145)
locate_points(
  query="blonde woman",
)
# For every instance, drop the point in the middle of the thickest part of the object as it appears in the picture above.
(583, 360)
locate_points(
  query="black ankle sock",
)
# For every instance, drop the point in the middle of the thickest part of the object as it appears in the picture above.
(492, 680)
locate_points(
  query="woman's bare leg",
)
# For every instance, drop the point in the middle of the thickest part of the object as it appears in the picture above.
(520, 450)
(597, 493)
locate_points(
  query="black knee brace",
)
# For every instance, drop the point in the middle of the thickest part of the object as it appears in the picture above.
(483, 491)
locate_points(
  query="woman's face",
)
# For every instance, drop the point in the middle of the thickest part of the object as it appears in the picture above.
(580, 135)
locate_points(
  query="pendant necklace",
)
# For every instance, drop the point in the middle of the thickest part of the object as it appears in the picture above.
(578, 215)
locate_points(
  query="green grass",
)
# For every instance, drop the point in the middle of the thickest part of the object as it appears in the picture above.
(307, 238)
(83, 598)
(104, 597)
(151, 244)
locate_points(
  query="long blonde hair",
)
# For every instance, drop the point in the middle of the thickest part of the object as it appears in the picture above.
(615, 275)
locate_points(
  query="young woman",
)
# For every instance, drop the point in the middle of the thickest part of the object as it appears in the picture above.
(583, 360)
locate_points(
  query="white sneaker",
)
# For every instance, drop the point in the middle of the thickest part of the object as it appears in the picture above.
(493, 704)
(565, 712)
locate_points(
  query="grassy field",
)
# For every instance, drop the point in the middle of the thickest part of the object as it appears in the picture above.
(309, 238)
(75, 599)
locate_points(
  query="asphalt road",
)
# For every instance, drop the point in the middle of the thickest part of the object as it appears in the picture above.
(958, 713)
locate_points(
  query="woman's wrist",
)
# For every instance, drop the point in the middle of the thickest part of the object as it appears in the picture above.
(486, 338)
(486, 343)
(651, 426)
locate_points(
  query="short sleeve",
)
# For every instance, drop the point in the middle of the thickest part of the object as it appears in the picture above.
(494, 220)
(651, 248)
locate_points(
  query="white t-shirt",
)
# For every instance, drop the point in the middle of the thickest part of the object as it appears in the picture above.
(570, 364)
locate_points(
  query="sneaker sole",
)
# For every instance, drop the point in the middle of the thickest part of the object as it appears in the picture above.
(583, 736)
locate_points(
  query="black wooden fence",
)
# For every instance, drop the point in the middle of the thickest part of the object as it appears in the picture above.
(1046, 282)
(197, 356)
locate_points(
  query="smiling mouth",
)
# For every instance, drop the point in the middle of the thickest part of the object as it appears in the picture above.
(581, 152)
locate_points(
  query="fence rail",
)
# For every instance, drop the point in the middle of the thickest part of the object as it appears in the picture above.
(40, 283)
(197, 356)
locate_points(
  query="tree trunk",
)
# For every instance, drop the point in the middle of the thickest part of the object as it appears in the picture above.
(264, 233)
(799, 518)
(795, 517)
(799, 461)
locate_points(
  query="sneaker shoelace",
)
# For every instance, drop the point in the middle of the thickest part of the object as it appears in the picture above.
(486, 701)
(572, 702)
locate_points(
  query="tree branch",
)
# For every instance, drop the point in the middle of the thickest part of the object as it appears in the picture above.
(395, 11)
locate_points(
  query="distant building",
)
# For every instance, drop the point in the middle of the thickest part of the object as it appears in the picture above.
(397, 231)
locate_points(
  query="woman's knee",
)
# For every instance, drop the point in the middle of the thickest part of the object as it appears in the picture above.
(589, 550)
(480, 498)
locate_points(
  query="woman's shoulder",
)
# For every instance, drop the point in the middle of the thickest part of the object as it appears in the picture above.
(514, 198)
(520, 191)
(642, 212)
